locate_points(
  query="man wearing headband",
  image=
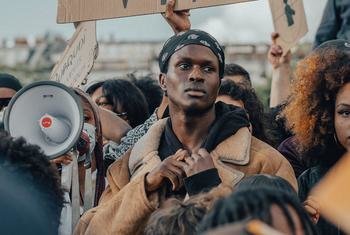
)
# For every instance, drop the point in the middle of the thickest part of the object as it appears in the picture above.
(201, 146)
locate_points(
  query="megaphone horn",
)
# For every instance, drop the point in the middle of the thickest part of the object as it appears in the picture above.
(55, 129)
(47, 114)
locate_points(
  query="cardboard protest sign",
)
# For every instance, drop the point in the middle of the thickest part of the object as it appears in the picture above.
(289, 20)
(78, 58)
(333, 194)
(82, 10)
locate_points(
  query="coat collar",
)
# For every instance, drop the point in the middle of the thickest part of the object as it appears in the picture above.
(144, 155)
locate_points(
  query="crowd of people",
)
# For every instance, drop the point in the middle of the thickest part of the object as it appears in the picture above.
(195, 152)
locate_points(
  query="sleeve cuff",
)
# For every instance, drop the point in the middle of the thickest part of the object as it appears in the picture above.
(203, 181)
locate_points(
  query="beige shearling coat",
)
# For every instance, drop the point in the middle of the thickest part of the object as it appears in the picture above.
(125, 206)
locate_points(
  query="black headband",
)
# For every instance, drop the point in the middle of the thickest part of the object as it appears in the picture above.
(192, 36)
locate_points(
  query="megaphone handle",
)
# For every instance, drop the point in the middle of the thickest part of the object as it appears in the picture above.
(75, 191)
(66, 177)
(88, 194)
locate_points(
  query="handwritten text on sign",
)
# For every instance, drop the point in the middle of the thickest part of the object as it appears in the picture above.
(78, 58)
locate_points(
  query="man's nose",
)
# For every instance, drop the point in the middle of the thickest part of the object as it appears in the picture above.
(196, 74)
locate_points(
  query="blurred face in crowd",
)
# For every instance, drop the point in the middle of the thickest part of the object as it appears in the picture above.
(342, 116)
(90, 119)
(5, 96)
(192, 81)
(101, 100)
(239, 80)
(228, 100)
(65, 159)
(88, 113)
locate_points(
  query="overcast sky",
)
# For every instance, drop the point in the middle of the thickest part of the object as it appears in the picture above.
(243, 22)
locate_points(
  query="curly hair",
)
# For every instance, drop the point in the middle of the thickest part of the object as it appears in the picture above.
(29, 163)
(150, 89)
(310, 109)
(237, 70)
(252, 105)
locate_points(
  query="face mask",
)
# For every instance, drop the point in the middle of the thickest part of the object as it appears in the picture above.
(90, 130)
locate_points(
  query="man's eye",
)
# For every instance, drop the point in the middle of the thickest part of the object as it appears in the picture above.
(86, 118)
(184, 66)
(208, 69)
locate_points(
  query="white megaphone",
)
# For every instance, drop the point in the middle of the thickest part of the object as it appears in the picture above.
(50, 115)
(47, 114)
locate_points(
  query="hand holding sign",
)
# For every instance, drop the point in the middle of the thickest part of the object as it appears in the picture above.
(275, 55)
(290, 22)
(78, 58)
(178, 20)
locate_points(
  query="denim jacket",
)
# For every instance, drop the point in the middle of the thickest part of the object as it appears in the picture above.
(335, 22)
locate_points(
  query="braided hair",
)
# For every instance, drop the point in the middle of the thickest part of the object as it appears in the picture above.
(256, 204)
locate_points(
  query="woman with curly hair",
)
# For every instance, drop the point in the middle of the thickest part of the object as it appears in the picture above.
(319, 115)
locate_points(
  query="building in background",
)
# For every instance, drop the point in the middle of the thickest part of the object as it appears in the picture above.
(118, 58)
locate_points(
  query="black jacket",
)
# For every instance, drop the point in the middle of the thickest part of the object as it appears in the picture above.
(335, 22)
(306, 182)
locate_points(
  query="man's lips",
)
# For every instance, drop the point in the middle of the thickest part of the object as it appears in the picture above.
(195, 92)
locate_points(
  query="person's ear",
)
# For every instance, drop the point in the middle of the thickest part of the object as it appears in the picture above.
(162, 83)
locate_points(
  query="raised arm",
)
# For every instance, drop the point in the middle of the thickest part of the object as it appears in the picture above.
(178, 20)
(281, 73)
(113, 127)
